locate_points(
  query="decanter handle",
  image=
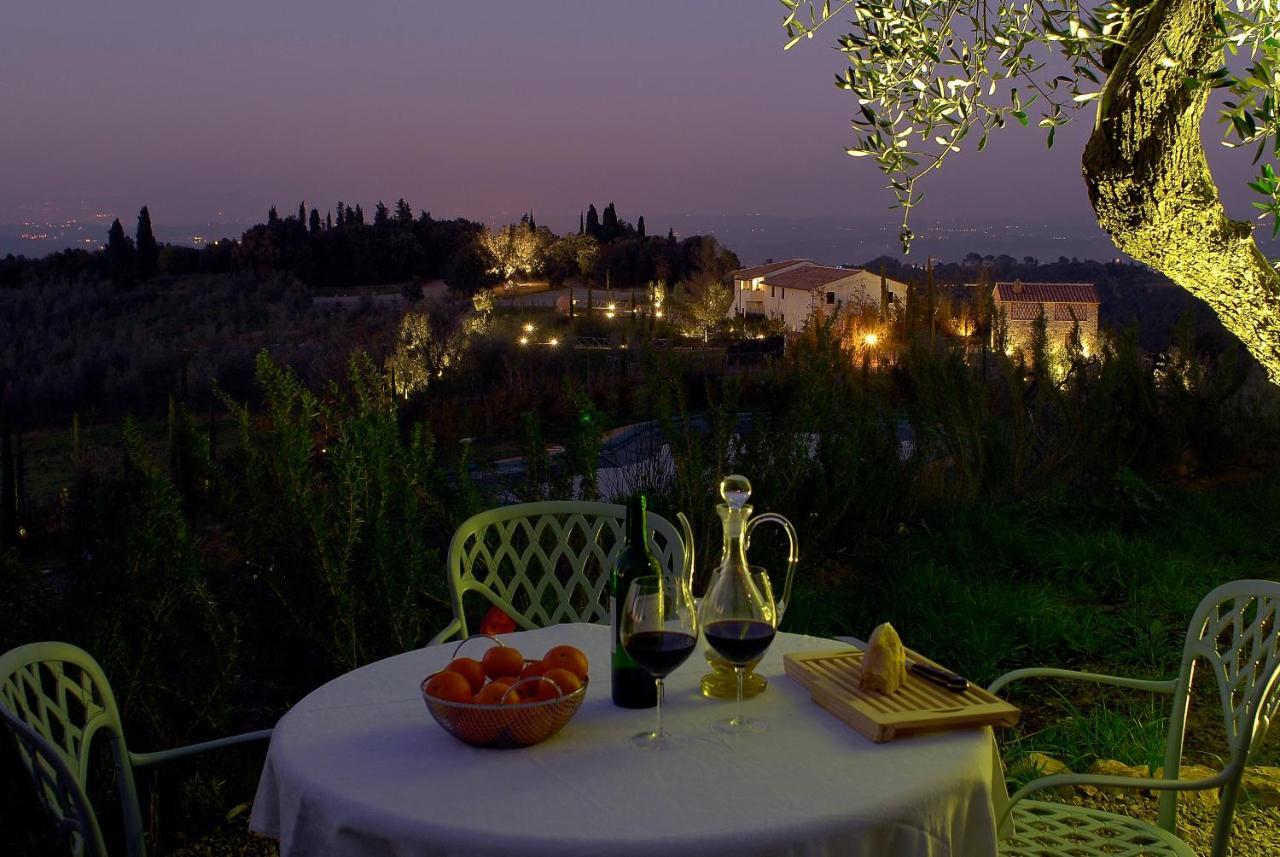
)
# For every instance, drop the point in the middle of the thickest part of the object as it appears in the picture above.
(793, 552)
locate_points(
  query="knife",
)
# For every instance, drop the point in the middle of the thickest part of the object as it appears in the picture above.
(939, 676)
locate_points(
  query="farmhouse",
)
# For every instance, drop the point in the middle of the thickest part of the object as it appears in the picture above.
(1064, 305)
(794, 289)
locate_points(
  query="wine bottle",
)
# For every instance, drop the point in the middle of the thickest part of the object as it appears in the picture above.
(633, 687)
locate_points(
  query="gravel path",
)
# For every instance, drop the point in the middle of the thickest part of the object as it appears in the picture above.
(1255, 830)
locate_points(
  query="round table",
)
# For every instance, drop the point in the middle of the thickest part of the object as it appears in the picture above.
(358, 767)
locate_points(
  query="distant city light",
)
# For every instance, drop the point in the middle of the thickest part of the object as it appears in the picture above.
(528, 327)
(524, 340)
(553, 341)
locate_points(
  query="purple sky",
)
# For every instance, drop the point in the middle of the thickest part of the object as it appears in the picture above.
(466, 108)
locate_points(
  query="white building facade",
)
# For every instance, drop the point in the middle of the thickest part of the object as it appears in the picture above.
(792, 290)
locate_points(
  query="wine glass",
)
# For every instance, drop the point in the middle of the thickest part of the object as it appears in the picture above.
(660, 631)
(740, 619)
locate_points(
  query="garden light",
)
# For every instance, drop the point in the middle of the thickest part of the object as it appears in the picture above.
(528, 327)
(524, 340)
(553, 341)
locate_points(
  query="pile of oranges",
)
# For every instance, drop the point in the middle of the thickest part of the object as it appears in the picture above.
(503, 677)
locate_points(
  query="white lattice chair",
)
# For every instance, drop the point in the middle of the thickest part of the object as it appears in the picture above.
(546, 563)
(1236, 633)
(54, 699)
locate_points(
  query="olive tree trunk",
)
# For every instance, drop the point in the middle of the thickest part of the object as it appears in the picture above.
(1149, 180)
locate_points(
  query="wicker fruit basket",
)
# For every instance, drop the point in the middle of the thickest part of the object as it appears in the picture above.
(505, 726)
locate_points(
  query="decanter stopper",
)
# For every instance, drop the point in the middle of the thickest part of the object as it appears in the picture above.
(735, 490)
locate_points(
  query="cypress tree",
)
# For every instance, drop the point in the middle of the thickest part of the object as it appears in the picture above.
(533, 227)
(380, 214)
(314, 223)
(1039, 346)
(148, 250)
(302, 212)
(609, 224)
(582, 229)
(931, 296)
(910, 309)
(119, 255)
(342, 214)
(404, 213)
(593, 222)
(884, 295)
(273, 217)
(359, 215)
(328, 220)
(640, 226)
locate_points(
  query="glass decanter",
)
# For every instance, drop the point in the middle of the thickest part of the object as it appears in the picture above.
(733, 569)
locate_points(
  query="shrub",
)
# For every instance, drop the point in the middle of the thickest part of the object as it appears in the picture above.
(342, 515)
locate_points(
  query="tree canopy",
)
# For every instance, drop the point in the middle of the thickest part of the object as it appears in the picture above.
(932, 77)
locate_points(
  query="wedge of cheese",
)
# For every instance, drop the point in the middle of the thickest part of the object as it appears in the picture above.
(884, 666)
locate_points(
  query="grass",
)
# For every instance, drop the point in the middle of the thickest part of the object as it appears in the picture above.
(50, 458)
(1131, 731)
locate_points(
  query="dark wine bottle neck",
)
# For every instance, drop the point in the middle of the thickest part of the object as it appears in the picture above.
(637, 525)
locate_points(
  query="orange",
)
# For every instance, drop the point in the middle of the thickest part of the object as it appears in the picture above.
(531, 669)
(567, 681)
(470, 669)
(567, 658)
(450, 687)
(503, 661)
(540, 690)
(495, 693)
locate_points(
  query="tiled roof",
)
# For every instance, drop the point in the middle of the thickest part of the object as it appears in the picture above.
(809, 277)
(1047, 293)
(761, 270)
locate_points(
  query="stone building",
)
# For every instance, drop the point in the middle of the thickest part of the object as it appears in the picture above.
(1064, 304)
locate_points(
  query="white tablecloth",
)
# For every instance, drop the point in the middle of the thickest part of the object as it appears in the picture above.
(358, 767)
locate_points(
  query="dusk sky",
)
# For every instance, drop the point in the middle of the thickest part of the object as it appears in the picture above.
(468, 109)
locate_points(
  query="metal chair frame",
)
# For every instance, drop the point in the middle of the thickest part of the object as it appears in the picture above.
(500, 554)
(1236, 632)
(54, 699)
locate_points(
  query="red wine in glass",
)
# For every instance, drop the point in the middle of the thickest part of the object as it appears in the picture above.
(740, 641)
(660, 652)
(659, 632)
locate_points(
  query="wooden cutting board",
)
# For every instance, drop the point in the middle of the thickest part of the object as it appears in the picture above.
(917, 707)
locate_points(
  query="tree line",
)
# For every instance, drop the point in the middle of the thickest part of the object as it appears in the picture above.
(343, 249)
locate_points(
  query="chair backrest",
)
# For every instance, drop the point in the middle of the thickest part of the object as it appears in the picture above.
(546, 563)
(54, 698)
(59, 791)
(1236, 633)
